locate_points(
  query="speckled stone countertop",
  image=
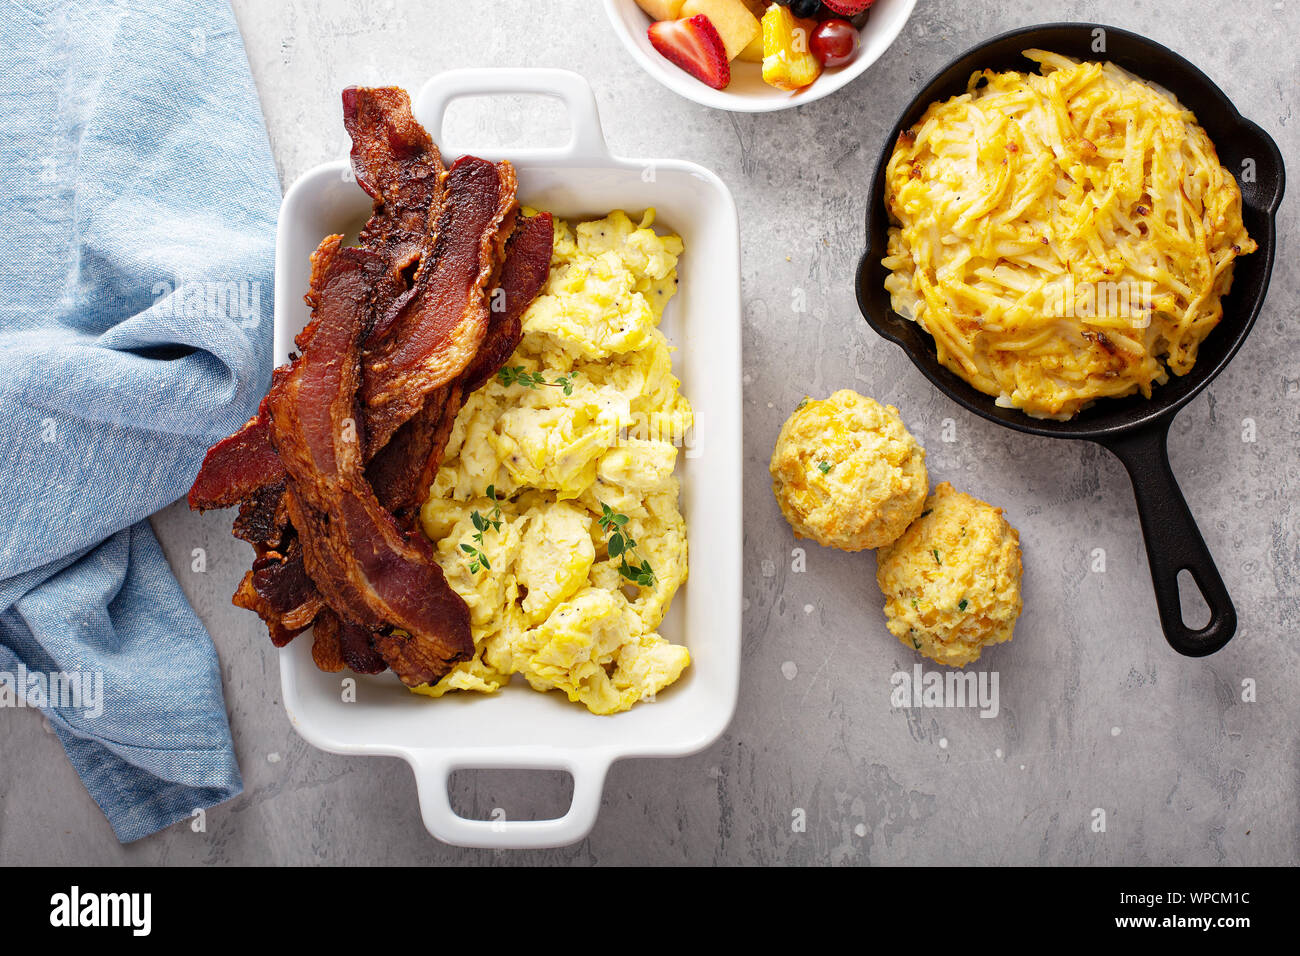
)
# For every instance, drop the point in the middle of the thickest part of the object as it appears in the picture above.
(1096, 712)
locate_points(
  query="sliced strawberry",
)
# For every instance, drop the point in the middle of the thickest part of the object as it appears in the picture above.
(694, 45)
(848, 8)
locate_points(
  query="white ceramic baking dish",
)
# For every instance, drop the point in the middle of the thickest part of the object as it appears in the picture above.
(747, 93)
(520, 728)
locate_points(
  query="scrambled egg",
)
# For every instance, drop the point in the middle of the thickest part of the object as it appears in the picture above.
(847, 472)
(531, 467)
(952, 581)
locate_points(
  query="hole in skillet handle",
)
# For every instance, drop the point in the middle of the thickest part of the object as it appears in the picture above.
(1196, 613)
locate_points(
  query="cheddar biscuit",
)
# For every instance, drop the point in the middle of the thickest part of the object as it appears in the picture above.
(952, 581)
(847, 473)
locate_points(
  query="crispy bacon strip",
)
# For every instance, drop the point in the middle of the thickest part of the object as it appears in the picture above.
(321, 260)
(237, 467)
(245, 465)
(326, 650)
(403, 470)
(435, 329)
(280, 592)
(367, 570)
(357, 645)
(263, 520)
(521, 278)
(398, 164)
(337, 644)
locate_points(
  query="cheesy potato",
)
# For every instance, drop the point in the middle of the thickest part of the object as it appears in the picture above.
(1063, 236)
(952, 581)
(847, 472)
(531, 467)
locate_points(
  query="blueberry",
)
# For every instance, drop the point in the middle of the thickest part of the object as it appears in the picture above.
(805, 9)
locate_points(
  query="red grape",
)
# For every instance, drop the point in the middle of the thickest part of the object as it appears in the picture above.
(834, 42)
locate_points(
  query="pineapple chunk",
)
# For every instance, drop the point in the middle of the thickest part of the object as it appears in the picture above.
(731, 18)
(787, 62)
(754, 52)
(662, 9)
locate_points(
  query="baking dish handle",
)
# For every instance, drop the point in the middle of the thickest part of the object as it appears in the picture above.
(1174, 543)
(433, 771)
(587, 141)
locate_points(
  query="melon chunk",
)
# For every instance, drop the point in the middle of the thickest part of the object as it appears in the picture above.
(731, 18)
(754, 52)
(662, 9)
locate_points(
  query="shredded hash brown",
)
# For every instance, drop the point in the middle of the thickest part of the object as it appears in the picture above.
(1064, 237)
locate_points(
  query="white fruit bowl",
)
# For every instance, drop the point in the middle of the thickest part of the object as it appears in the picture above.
(747, 92)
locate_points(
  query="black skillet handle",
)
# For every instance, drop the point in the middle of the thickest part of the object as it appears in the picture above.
(1174, 543)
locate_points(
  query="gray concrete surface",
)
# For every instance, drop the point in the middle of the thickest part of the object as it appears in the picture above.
(1096, 711)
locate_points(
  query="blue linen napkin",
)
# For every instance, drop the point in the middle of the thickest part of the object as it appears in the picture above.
(140, 202)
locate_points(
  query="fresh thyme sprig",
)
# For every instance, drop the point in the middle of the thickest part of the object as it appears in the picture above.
(479, 558)
(518, 375)
(621, 544)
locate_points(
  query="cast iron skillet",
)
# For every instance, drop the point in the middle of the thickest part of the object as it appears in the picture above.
(1135, 429)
